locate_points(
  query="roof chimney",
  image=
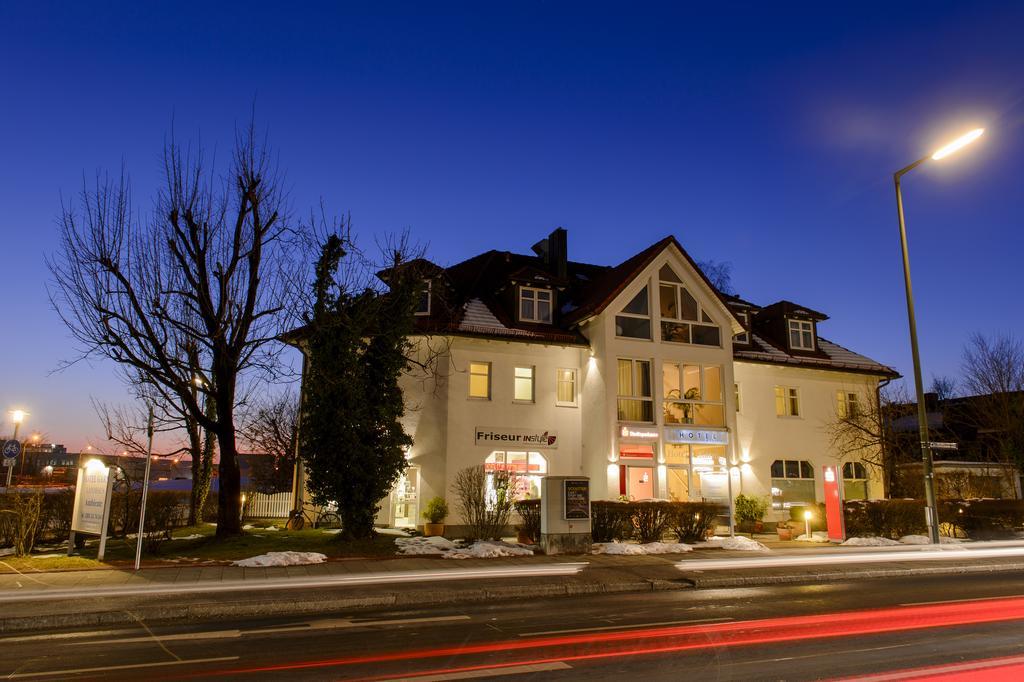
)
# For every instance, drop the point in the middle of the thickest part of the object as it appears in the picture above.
(558, 252)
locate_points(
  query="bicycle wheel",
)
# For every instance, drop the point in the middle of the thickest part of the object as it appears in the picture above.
(296, 521)
(328, 520)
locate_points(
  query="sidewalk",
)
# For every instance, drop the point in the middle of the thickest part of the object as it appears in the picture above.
(38, 601)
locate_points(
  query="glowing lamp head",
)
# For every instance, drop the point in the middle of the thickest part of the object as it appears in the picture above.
(807, 515)
(958, 143)
(18, 416)
(94, 464)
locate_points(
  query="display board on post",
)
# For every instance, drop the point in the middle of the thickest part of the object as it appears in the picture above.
(834, 503)
(91, 511)
(565, 515)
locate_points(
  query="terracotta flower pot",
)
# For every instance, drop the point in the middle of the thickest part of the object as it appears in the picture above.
(433, 529)
(785, 533)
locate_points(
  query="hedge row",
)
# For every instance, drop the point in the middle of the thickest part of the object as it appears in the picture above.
(975, 519)
(650, 521)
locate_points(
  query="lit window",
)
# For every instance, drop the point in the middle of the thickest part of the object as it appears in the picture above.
(683, 320)
(855, 481)
(535, 305)
(634, 321)
(565, 387)
(523, 384)
(525, 468)
(693, 394)
(792, 483)
(480, 380)
(635, 398)
(801, 335)
(846, 405)
(787, 401)
(423, 302)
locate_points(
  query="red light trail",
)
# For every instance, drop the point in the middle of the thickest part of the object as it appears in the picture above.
(582, 647)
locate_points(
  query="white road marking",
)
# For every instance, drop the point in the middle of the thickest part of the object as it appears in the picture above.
(624, 627)
(951, 601)
(289, 583)
(326, 624)
(942, 669)
(62, 635)
(127, 666)
(925, 553)
(823, 653)
(486, 672)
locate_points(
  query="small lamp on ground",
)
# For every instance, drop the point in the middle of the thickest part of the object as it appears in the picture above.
(807, 523)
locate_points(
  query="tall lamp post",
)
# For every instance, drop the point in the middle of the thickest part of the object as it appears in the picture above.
(922, 412)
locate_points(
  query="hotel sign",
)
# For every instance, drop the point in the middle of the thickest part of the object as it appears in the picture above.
(698, 436)
(486, 435)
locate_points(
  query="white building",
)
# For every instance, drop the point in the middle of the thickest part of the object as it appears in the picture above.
(641, 376)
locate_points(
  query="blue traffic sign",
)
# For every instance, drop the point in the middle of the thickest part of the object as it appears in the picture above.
(12, 449)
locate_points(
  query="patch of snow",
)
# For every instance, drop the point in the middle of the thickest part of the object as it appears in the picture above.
(737, 543)
(392, 531)
(816, 536)
(625, 548)
(211, 524)
(925, 540)
(281, 559)
(247, 526)
(272, 529)
(487, 550)
(332, 531)
(436, 545)
(194, 536)
(870, 542)
(45, 556)
(7, 551)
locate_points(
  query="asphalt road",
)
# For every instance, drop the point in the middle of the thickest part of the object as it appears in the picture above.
(792, 632)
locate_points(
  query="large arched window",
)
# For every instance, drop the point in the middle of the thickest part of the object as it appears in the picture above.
(529, 468)
(683, 320)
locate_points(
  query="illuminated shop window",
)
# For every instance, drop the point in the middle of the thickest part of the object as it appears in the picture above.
(528, 467)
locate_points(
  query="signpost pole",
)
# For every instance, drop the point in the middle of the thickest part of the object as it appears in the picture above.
(145, 490)
(9, 461)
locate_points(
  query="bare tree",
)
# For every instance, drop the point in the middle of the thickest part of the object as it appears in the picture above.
(195, 283)
(719, 273)
(944, 387)
(993, 372)
(870, 432)
(271, 429)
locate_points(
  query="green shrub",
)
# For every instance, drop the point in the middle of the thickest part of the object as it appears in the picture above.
(984, 519)
(436, 511)
(529, 512)
(165, 511)
(885, 518)
(750, 510)
(609, 520)
(691, 521)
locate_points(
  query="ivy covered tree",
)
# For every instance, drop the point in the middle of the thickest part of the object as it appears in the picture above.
(357, 347)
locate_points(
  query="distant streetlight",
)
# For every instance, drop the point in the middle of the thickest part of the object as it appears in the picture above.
(17, 416)
(922, 413)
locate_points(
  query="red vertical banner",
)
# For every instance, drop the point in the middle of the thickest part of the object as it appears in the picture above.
(834, 503)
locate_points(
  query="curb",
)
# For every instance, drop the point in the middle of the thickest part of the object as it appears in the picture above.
(201, 611)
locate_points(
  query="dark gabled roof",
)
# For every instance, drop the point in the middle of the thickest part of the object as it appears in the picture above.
(789, 309)
(831, 356)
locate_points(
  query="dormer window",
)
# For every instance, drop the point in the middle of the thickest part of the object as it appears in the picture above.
(801, 335)
(423, 303)
(742, 337)
(534, 305)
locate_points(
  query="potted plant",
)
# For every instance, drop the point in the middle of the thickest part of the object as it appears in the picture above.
(750, 511)
(784, 530)
(434, 515)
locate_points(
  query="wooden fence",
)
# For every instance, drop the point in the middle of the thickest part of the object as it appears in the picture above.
(263, 506)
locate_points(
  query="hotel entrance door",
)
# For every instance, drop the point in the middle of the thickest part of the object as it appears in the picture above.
(405, 499)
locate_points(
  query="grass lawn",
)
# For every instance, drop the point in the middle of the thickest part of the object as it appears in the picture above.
(202, 546)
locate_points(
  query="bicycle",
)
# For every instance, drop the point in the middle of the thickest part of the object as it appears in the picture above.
(317, 517)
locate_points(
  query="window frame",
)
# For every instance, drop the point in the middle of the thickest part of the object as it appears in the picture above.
(634, 394)
(533, 383)
(637, 316)
(429, 293)
(488, 374)
(845, 400)
(703, 318)
(800, 331)
(535, 291)
(574, 374)
(743, 336)
(790, 393)
(702, 389)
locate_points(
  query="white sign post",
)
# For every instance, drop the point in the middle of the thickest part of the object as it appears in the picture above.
(92, 504)
(145, 491)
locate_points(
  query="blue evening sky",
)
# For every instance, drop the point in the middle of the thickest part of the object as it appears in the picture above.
(763, 136)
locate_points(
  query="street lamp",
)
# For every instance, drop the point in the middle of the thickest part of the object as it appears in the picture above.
(17, 416)
(922, 413)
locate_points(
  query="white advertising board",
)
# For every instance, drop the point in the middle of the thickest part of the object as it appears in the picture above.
(92, 499)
